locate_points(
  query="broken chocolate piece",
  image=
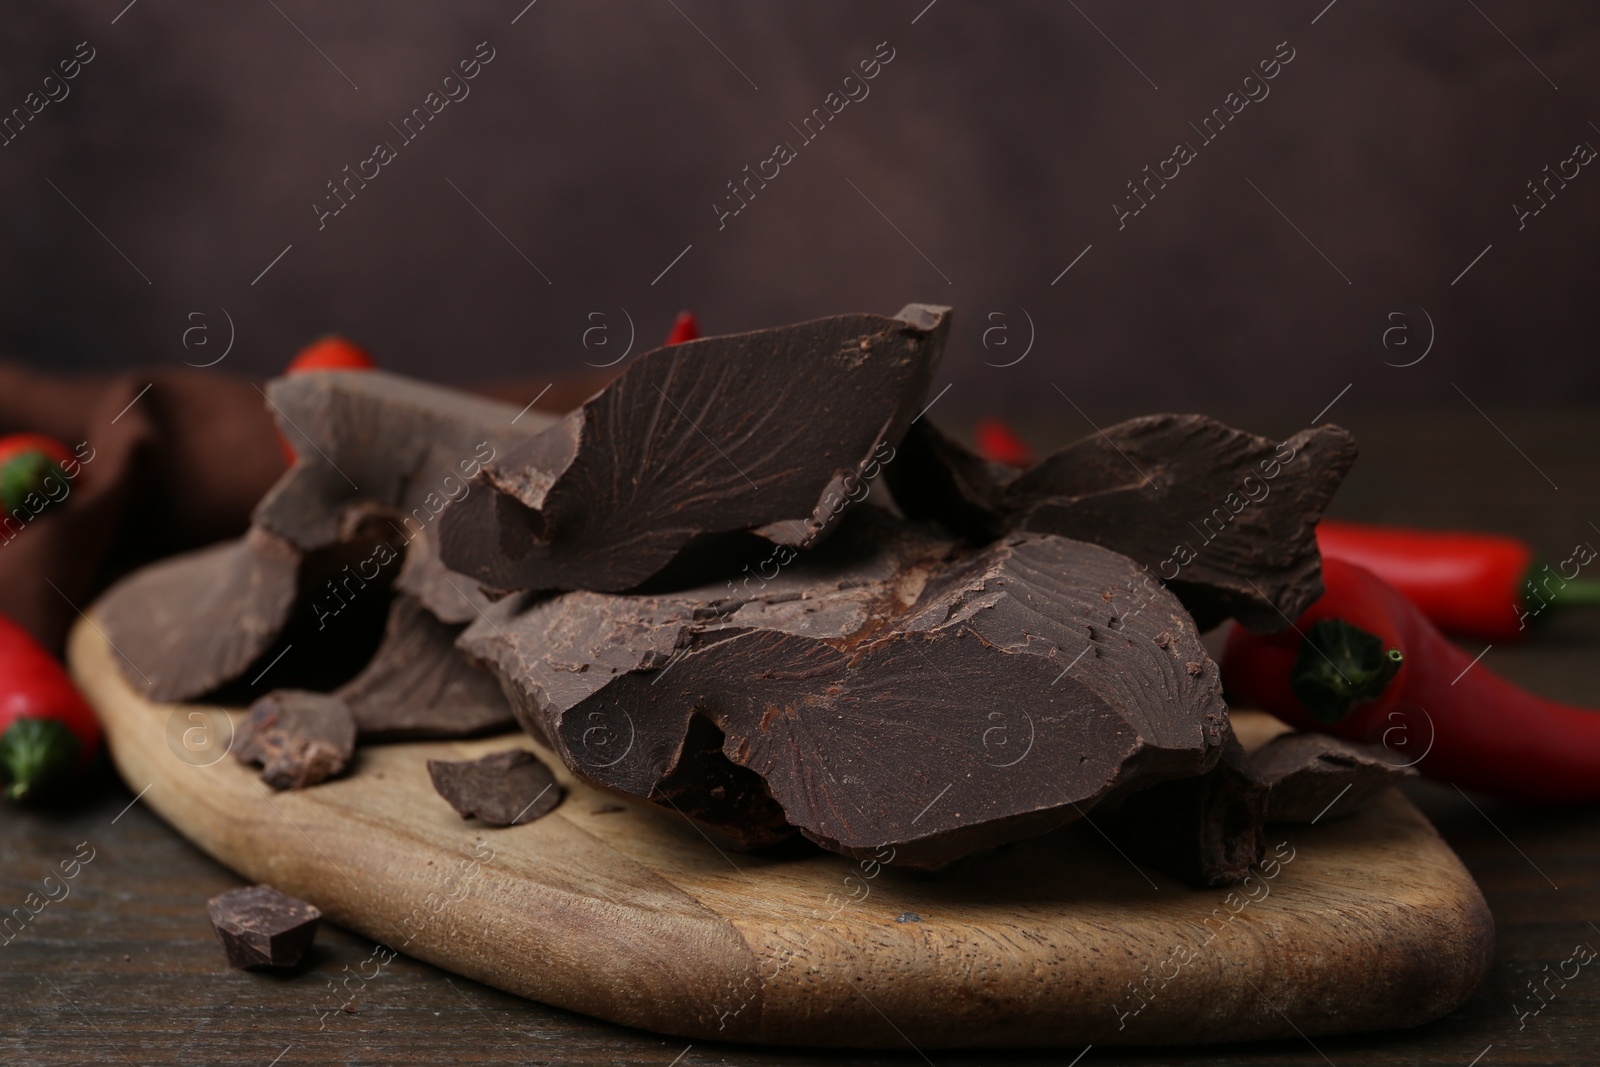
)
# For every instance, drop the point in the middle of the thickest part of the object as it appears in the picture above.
(298, 738)
(505, 789)
(935, 477)
(1227, 519)
(775, 431)
(418, 686)
(189, 624)
(1206, 830)
(884, 692)
(374, 437)
(1312, 777)
(451, 597)
(261, 927)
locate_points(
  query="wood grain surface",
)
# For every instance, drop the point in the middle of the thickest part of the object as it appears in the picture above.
(126, 969)
(632, 915)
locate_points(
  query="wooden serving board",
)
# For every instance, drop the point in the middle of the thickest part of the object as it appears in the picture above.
(627, 913)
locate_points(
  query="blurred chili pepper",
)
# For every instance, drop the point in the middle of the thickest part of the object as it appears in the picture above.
(684, 328)
(330, 352)
(27, 463)
(999, 443)
(1364, 661)
(1474, 584)
(47, 730)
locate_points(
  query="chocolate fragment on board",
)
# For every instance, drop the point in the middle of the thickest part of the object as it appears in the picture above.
(418, 685)
(189, 624)
(861, 695)
(1206, 830)
(261, 927)
(772, 431)
(1227, 519)
(504, 789)
(1312, 777)
(297, 738)
(380, 439)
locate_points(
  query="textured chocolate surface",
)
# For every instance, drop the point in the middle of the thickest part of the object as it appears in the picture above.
(1312, 777)
(888, 691)
(502, 789)
(774, 431)
(261, 927)
(297, 738)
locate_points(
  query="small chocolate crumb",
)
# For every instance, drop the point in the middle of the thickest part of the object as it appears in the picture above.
(261, 927)
(297, 737)
(908, 917)
(505, 789)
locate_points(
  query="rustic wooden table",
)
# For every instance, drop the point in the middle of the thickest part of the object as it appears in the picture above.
(125, 969)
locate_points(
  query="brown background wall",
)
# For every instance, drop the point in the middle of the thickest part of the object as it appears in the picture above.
(997, 139)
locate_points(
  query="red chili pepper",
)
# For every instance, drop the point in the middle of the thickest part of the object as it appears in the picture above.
(28, 461)
(998, 442)
(330, 352)
(48, 732)
(684, 328)
(1473, 584)
(1364, 663)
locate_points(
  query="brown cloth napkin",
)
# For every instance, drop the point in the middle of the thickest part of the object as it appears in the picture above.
(171, 460)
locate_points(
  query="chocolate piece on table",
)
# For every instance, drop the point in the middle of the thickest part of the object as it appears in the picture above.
(867, 687)
(377, 438)
(1314, 777)
(418, 685)
(297, 738)
(261, 927)
(1205, 830)
(772, 431)
(189, 624)
(504, 789)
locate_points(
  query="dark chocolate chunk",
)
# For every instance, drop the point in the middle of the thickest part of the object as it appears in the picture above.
(1227, 519)
(297, 738)
(1314, 777)
(885, 691)
(505, 789)
(1206, 830)
(935, 477)
(378, 438)
(261, 927)
(418, 685)
(774, 431)
(451, 597)
(189, 624)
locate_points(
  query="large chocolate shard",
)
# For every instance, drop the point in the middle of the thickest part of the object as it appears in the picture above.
(771, 431)
(187, 625)
(1226, 518)
(418, 685)
(380, 439)
(886, 691)
(1314, 777)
